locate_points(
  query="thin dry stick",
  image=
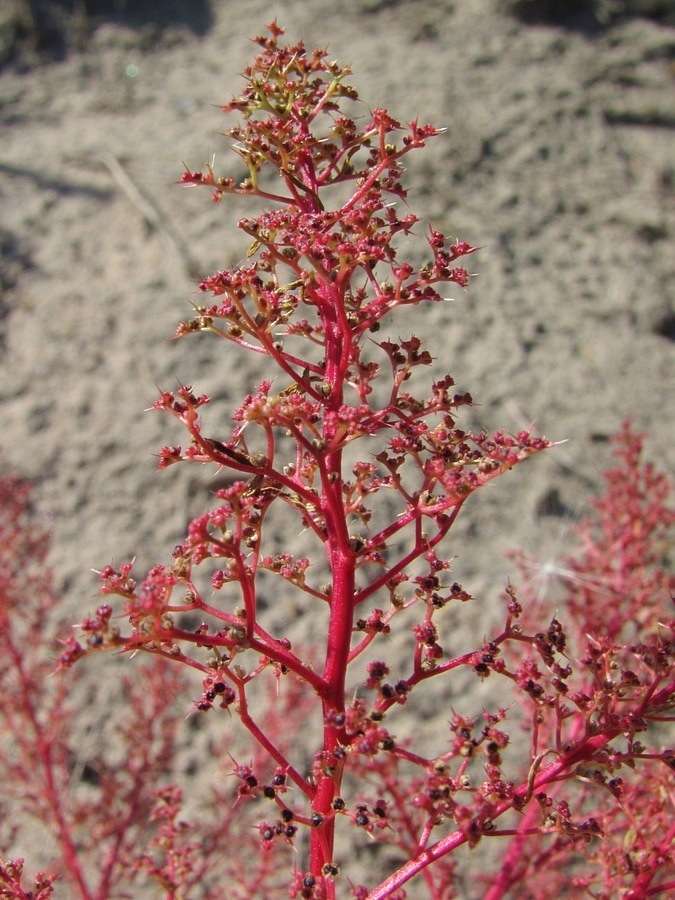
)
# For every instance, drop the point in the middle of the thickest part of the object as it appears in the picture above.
(151, 214)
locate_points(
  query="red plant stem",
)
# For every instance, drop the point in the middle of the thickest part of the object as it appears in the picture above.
(416, 865)
(131, 818)
(57, 806)
(640, 887)
(416, 841)
(333, 702)
(508, 871)
(661, 888)
(416, 552)
(447, 844)
(43, 748)
(249, 723)
(342, 563)
(266, 646)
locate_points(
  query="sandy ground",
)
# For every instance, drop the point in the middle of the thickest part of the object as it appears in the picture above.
(558, 161)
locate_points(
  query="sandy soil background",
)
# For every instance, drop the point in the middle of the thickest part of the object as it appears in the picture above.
(558, 161)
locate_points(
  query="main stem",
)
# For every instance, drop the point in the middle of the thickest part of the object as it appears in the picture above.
(342, 562)
(329, 776)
